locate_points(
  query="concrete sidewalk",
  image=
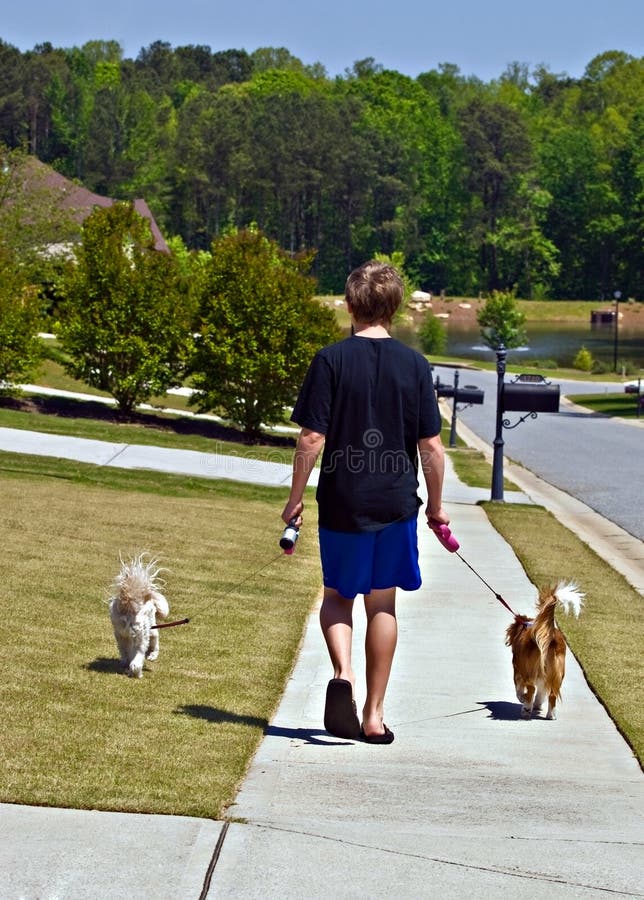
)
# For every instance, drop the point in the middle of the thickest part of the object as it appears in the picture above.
(468, 801)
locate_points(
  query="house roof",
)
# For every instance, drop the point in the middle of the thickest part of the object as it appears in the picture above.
(82, 202)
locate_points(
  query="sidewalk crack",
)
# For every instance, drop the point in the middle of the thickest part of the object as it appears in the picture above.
(493, 870)
(116, 455)
(213, 861)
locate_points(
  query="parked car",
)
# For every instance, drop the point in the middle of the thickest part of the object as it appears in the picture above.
(633, 387)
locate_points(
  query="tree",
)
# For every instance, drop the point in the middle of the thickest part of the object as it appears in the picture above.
(32, 217)
(125, 321)
(258, 328)
(498, 152)
(20, 318)
(583, 360)
(432, 334)
(501, 321)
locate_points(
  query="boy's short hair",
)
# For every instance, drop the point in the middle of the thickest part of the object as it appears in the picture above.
(374, 291)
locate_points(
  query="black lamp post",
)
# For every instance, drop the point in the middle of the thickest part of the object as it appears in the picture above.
(617, 296)
(497, 459)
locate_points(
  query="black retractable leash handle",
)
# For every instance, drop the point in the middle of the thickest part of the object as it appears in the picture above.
(290, 536)
(450, 543)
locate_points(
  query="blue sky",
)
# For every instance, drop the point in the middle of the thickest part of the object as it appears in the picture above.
(480, 36)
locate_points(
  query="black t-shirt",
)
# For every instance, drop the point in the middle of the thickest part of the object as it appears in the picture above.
(373, 399)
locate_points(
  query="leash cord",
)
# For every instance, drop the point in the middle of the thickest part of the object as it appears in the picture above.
(227, 594)
(498, 596)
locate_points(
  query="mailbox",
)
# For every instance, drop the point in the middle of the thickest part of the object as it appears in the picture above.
(469, 394)
(443, 390)
(530, 393)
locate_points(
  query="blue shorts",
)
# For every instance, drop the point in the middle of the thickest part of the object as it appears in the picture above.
(359, 562)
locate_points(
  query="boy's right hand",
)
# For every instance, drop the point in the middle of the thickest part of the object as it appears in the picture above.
(293, 511)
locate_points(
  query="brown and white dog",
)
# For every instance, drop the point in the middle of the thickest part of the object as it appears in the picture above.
(133, 610)
(539, 649)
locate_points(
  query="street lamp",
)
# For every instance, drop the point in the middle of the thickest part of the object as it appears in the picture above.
(617, 296)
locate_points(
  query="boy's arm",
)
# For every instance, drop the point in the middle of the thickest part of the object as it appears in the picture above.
(309, 445)
(432, 461)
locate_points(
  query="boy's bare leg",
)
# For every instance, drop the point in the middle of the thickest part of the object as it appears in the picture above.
(380, 645)
(336, 621)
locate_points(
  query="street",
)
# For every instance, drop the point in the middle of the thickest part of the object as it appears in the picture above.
(596, 459)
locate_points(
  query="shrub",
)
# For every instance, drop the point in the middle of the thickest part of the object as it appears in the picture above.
(583, 360)
(501, 321)
(432, 335)
(544, 364)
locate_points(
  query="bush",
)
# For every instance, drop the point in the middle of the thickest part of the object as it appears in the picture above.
(501, 321)
(583, 360)
(432, 335)
(627, 367)
(544, 364)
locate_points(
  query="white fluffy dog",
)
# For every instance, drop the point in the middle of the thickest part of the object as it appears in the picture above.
(133, 610)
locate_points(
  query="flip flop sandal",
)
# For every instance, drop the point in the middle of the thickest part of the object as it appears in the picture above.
(340, 714)
(386, 738)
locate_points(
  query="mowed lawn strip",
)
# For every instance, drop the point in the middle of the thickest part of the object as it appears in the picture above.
(608, 637)
(82, 419)
(75, 732)
(622, 405)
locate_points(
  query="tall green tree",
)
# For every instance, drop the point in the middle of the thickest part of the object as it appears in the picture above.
(501, 321)
(32, 218)
(125, 320)
(259, 327)
(21, 316)
(498, 152)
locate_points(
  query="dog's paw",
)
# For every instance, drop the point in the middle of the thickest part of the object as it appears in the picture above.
(153, 654)
(526, 713)
(552, 714)
(135, 671)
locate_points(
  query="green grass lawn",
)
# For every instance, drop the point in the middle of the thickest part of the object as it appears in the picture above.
(94, 421)
(72, 724)
(75, 732)
(608, 637)
(623, 405)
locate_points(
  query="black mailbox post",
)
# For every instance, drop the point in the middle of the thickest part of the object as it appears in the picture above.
(530, 394)
(470, 394)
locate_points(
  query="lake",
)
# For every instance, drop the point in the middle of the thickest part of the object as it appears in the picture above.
(548, 341)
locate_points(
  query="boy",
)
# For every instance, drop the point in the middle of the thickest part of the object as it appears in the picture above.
(369, 400)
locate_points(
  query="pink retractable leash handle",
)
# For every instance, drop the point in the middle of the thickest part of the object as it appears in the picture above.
(446, 537)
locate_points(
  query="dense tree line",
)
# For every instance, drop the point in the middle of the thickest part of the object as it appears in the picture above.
(535, 180)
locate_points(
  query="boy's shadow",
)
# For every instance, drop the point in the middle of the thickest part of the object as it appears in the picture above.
(217, 716)
(308, 735)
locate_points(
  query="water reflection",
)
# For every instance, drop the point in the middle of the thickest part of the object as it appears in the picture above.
(547, 341)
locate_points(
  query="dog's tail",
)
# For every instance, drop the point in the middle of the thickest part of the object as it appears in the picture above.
(569, 597)
(566, 595)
